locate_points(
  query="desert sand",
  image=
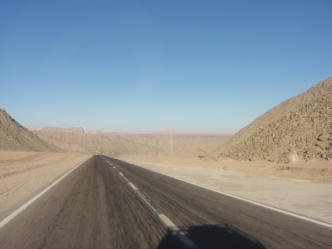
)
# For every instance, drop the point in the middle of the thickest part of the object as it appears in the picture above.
(24, 174)
(316, 171)
(309, 194)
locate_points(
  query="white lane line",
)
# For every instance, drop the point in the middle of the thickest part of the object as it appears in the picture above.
(162, 217)
(125, 178)
(33, 199)
(176, 231)
(148, 203)
(318, 222)
(133, 186)
(167, 222)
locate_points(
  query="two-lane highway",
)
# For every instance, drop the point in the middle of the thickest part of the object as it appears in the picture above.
(97, 207)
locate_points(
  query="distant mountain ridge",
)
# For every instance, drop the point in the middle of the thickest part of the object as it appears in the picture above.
(13, 136)
(74, 130)
(298, 128)
(112, 143)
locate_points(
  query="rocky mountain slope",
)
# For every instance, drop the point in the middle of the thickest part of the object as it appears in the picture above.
(177, 145)
(14, 136)
(298, 128)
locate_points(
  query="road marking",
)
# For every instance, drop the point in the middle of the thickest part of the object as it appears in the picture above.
(168, 223)
(148, 203)
(162, 217)
(318, 222)
(302, 217)
(176, 231)
(33, 199)
(133, 186)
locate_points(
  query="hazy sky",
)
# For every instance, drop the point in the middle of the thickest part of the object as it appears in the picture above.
(146, 65)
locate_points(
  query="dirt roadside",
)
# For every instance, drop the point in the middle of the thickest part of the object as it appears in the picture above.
(315, 171)
(24, 174)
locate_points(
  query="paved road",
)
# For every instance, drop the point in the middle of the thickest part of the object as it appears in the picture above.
(96, 207)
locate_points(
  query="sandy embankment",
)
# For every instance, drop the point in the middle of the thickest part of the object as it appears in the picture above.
(24, 174)
(308, 192)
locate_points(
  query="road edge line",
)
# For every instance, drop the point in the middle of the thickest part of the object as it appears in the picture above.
(299, 216)
(33, 199)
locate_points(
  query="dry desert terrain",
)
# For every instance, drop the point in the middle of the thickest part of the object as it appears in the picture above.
(24, 174)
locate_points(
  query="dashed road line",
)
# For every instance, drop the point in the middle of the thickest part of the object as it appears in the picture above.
(162, 217)
(177, 232)
(148, 203)
(133, 186)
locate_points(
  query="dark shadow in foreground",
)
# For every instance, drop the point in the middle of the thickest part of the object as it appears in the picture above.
(211, 237)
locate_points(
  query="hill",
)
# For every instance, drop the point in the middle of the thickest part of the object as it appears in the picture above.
(78, 140)
(14, 136)
(298, 128)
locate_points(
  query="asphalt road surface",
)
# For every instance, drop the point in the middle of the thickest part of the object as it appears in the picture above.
(107, 203)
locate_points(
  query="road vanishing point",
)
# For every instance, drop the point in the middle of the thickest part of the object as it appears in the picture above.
(108, 203)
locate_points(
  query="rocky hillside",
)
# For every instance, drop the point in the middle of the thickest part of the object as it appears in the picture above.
(78, 140)
(298, 128)
(14, 136)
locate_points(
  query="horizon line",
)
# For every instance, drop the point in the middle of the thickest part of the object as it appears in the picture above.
(160, 132)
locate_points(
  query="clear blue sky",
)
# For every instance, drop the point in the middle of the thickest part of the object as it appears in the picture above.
(136, 66)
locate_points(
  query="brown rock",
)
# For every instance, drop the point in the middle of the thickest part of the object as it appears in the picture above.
(301, 124)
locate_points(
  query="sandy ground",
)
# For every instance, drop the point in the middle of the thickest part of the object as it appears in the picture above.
(317, 171)
(24, 174)
(303, 196)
